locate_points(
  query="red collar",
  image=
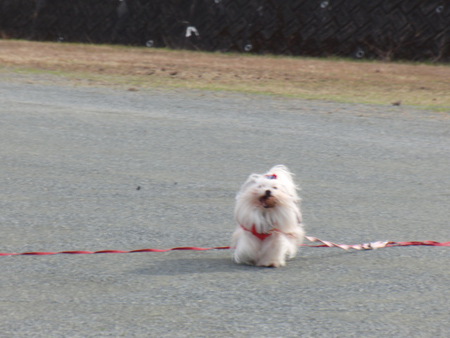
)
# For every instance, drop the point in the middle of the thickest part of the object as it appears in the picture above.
(261, 236)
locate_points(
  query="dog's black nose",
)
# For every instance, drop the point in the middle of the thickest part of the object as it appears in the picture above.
(268, 193)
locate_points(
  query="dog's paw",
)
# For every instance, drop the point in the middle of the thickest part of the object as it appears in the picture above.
(273, 264)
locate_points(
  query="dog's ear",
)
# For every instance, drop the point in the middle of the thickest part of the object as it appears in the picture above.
(279, 167)
(251, 180)
(286, 179)
(281, 170)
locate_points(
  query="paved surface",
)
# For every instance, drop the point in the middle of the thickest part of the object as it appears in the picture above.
(72, 159)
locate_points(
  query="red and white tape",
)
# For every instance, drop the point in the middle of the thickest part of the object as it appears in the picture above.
(364, 246)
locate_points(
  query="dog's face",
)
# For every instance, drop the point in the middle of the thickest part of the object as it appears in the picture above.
(265, 192)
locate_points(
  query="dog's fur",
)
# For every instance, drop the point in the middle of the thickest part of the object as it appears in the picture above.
(269, 222)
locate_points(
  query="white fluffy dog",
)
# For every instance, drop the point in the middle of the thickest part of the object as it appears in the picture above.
(269, 220)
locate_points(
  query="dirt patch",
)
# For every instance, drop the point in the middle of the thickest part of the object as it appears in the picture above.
(136, 67)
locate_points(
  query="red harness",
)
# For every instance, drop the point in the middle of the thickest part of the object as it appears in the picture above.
(261, 236)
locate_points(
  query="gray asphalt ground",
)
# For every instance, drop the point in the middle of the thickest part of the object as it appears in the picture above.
(72, 159)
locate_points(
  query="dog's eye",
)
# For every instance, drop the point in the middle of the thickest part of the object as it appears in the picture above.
(275, 187)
